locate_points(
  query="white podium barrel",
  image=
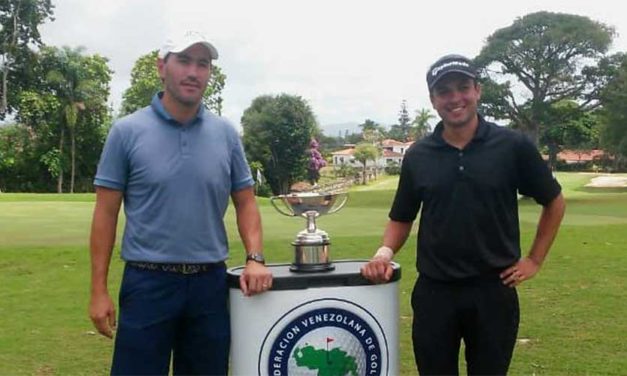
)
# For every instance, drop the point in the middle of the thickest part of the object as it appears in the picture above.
(324, 323)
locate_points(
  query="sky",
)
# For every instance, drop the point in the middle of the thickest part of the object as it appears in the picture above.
(351, 60)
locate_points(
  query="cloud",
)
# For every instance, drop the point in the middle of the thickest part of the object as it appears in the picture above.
(350, 59)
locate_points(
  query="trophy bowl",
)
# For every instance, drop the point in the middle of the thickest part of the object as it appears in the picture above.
(311, 246)
(298, 204)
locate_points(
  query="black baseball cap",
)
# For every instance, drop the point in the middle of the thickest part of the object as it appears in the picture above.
(450, 64)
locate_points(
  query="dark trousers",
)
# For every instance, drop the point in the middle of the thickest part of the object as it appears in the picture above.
(481, 311)
(164, 314)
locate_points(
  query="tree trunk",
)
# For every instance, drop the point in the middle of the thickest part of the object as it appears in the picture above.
(5, 72)
(60, 177)
(363, 175)
(73, 156)
(3, 104)
(532, 131)
(553, 150)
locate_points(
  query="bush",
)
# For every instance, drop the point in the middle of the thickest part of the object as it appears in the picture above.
(393, 168)
(347, 171)
(263, 190)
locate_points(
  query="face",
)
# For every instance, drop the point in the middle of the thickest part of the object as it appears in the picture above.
(455, 98)
(185, 75)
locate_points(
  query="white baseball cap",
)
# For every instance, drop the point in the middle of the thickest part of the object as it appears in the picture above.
(182, 42)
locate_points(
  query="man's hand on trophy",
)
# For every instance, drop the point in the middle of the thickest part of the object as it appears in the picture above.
(379, 269)
(255, 279)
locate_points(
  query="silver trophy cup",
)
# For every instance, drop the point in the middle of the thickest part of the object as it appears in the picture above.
(311, 246)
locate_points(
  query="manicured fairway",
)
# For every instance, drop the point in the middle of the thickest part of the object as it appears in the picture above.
(574, 315)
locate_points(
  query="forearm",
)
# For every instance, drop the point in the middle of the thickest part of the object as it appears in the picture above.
(548, 225)
(102, 240)
(248, 221)
(395, 234)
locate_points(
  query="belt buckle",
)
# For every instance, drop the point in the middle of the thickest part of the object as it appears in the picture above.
(189, 269)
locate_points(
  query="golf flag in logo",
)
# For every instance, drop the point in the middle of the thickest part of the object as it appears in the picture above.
(329, 339)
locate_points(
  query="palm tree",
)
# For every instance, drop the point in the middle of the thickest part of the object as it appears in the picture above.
(75, 88)
(421, 123)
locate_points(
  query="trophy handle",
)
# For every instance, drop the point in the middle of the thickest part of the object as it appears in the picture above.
(288, 214)
(340, 205)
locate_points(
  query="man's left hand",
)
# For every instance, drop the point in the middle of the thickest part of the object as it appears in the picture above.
(255, 279)
(521, 271)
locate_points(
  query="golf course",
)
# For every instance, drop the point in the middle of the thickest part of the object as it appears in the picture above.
(573, 313)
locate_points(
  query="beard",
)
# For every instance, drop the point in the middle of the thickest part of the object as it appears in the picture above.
(177, 92)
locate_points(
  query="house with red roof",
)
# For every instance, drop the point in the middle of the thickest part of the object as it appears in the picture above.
(392, 151)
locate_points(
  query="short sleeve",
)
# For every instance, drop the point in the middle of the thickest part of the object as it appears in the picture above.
(535, 178)
(240, 171)
(113, 165)
(407, 199)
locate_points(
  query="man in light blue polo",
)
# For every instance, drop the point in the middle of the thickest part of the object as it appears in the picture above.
(174, 165)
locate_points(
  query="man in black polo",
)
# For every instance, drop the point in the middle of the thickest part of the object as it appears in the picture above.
(465, 177)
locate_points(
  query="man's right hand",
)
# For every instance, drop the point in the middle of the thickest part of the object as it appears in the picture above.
(377, 270)
(102, 314)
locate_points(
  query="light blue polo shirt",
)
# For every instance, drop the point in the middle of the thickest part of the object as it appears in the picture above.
(177, 180)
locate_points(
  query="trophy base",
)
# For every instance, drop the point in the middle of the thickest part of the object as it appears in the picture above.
(311, 268)
(311, 258)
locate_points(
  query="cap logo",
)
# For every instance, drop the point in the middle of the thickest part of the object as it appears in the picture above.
(437, 69)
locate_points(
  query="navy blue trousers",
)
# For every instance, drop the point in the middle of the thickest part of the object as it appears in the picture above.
(482, 311)
(167, 315)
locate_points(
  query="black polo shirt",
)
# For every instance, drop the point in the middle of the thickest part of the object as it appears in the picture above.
(469, 220)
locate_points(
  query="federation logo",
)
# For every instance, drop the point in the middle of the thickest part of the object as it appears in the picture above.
(330, 337)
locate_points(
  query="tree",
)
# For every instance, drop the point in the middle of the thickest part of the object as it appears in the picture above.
(402, 131)
(420, 124)
(79, 82)
(364, 153)
(371, 126)
(541, 59)
(19, 23)
(38, 117)
(614, 115)
(571, 127)
(371, 131)
(145, 83)
(277, 132)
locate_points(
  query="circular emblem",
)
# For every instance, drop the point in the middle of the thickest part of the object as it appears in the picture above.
(325, 337)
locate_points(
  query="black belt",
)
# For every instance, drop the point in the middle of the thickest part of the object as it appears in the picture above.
(176, 268)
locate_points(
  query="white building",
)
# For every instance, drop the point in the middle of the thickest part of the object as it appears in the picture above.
(391, 151)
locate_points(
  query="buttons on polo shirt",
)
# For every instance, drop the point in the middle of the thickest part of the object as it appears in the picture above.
(460, 167)
(184, 141)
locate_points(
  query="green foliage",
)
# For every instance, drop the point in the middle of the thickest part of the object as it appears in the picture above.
(145, 83)
(541, 59)
(420, 124)
(79, 83)
(369, 125)
(347, 171)
(52, 160)
(364, 153)
(392, 168)
(371, 132)
(614, 114)
(20, 168)
(403, 130)
(277, 131)
(19, 29)
(69, 99)
(570, 128)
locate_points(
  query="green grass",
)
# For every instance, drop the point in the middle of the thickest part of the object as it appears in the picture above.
(573, 313)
